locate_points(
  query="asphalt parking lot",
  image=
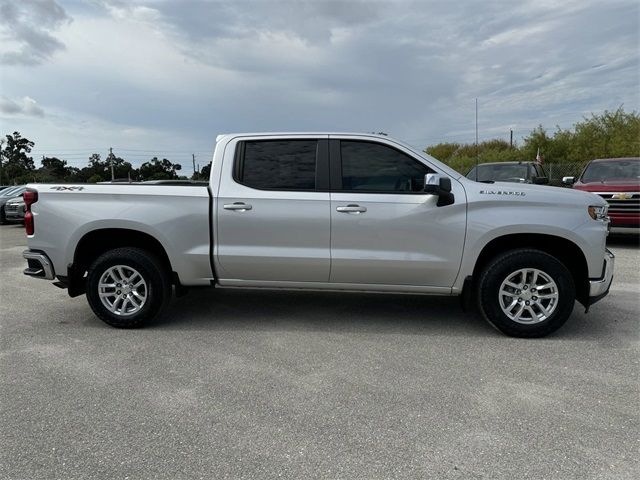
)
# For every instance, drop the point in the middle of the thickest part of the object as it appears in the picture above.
(237, 384)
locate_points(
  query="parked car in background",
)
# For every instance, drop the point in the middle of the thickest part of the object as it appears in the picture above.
(617, 180)
(14, 210)
(2, 187)
(518, 172)
(6, 195)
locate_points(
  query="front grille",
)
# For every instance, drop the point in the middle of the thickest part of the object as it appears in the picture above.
(13, 208)
(622, 205)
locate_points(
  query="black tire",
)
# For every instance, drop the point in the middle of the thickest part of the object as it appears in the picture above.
(3, 218)
(502, 266)
(154, 273)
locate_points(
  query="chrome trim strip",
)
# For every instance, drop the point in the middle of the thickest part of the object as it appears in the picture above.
(45, 263)
(601, 285)
(614, 192)
(336, 287)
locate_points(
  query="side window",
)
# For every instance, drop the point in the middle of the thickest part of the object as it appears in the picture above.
(372, 167)
(277, 164)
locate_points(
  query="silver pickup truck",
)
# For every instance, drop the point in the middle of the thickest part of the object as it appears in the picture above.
(324, 211)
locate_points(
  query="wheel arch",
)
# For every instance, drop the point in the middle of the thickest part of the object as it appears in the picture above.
(96, 242)
(564, 250)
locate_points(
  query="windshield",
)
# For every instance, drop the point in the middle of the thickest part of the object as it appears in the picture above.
(499, 173)
(8, 192)
(612, 170)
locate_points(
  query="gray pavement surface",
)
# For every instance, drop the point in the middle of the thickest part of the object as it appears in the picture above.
(233, 384)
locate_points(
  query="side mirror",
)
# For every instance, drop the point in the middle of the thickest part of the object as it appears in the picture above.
(540, 180)
(568, 180)
(439, 185)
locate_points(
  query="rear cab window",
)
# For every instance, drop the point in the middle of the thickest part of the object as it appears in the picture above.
(288, 164)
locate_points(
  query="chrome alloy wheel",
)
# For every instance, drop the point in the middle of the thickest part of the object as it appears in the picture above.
(528, 296)
(122, 290)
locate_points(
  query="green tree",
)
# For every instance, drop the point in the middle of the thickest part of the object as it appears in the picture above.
(54, 169)
(99, 170)
(15, 163)
(156, 169)
(203, 174)
(607, 135)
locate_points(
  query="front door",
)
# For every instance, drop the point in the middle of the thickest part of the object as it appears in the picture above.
(384, 228)
(273, 224)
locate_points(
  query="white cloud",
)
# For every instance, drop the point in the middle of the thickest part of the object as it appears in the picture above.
(26, 106)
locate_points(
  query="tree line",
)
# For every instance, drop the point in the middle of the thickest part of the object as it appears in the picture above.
(610, 134)
(18, 167)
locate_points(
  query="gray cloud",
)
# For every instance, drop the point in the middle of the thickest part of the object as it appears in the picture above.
(412, 69)
(398, 65)
(27, 27)
(26, 106)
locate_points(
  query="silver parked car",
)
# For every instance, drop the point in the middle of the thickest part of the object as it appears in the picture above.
(9, 194)
(14, 209)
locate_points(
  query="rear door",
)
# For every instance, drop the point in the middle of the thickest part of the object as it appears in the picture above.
(273, 220)
(384, 228)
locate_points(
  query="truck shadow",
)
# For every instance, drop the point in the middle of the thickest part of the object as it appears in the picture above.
(258, 310)
(272, 311)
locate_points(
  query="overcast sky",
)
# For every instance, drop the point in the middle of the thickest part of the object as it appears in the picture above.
(165, 77)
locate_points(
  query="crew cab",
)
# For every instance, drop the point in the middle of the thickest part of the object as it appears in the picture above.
(324, 211)
(617, 180)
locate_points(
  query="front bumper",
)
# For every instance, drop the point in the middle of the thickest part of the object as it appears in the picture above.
(599, 288)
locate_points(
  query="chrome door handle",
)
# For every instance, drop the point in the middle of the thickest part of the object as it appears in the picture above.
(241, 207)
(352, 209)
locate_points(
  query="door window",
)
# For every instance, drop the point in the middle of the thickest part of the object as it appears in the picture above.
(372, 167)
(277, 164)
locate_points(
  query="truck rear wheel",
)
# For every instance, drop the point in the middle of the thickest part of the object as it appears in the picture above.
(126, 287)
(526, 293)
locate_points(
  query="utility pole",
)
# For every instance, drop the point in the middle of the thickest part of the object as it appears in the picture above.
(477, 151)
(111, 162)
(511, 138)
(193, 158)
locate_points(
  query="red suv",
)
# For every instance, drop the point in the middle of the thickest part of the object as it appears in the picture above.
(617, 180)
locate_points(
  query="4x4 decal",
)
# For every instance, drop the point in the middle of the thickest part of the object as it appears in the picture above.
(62, 188)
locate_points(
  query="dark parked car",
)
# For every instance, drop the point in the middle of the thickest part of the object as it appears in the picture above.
(6, 195)
(617, 180)
(14, 210)
(518, 172)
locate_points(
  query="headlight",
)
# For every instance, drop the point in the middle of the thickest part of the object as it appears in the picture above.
(598, 212)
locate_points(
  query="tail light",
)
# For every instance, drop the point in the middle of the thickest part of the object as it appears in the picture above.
(30, 197)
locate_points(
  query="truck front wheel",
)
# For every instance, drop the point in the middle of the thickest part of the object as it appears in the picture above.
(126, 287)
(526, 293)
